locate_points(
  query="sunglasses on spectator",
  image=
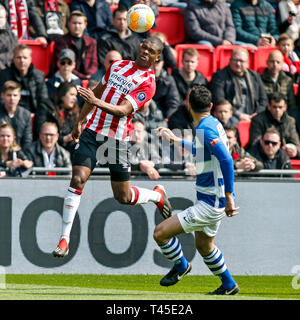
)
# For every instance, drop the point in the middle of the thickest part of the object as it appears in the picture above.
(293, 14)
(273, 143)
(69, 62)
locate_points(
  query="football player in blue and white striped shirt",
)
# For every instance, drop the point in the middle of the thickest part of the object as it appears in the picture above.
(214, 187)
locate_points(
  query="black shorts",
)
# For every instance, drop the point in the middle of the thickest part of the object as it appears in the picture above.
(93, 147)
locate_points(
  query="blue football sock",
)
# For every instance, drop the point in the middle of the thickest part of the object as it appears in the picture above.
(215, 262)
(172, 251)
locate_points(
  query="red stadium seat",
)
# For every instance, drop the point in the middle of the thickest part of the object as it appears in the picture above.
(206, 63)
(244, 130)
(223, 54)
(260, 58)
(296, 166)
(41, 54)
(296, 88)
(170, 22)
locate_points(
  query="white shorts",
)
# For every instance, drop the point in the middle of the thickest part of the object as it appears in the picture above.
(201, 217)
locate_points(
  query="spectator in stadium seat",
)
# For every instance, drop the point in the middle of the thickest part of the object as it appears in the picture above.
(119, 37)
(98, 13)
(11, 112)
(241, 86)
(64, 111)
(55, 15)
(268, 152)
(276, 116)
(13, 161)
(111, 56)
(8, 41)
(209, 22)
(241, 158)
(46, 152)
(31, 21)
(222, 110)
(291, 61)
(33, 87)
(166, 96)
(84, 46)
(151, 115)
(66, 64)
(276, 80)
(188, 75)
(254, 22)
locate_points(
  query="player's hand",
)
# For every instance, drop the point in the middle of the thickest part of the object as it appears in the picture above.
(88, 95)
(76, 132)
(230, 209)
(167, 134)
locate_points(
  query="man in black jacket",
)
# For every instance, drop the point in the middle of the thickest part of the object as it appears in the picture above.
(119, 37)
(188, 75)
(276, 116)
(241, 86)
(268, 151)
(32, 80)
(15, 115)
(46, 152)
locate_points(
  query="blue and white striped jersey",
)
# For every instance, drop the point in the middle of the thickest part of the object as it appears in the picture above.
(214, 164)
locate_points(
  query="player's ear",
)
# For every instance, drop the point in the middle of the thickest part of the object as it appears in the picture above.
(157, 58)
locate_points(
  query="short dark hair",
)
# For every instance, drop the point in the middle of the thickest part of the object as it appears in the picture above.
(157, 42)
(277, 97)
(200, 98)
(231, 128)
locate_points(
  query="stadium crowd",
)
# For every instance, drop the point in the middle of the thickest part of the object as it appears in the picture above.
(38, 111)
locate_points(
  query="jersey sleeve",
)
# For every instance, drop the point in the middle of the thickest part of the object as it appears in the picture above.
(143, 93)
(217, 147)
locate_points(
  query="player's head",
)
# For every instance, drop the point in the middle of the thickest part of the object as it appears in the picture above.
(149, 52)
(200, 99)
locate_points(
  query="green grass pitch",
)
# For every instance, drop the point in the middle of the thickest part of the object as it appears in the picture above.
(139, 287)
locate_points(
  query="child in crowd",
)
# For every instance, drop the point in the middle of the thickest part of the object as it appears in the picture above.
(223, 111)
(291, 63)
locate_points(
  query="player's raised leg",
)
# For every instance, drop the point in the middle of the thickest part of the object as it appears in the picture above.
(170, 246)
(132, 195)
(80, 175)
(213, 258)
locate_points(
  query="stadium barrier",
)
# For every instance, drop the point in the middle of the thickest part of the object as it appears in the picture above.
(110, 238)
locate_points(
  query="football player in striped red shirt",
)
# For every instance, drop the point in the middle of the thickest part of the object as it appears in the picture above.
(123, 91)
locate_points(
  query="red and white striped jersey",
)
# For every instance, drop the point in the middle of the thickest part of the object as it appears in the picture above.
(123, 80)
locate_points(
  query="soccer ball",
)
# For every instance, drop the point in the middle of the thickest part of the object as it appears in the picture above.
(140, 18)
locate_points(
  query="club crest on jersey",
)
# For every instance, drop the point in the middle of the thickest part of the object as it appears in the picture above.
(141, 96)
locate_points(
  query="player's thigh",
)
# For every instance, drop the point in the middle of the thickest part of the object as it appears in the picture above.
(167, 230)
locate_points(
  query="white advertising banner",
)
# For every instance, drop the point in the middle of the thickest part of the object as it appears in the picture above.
(110, 238)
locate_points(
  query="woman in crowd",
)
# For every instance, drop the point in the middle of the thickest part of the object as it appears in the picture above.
(13, 162)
